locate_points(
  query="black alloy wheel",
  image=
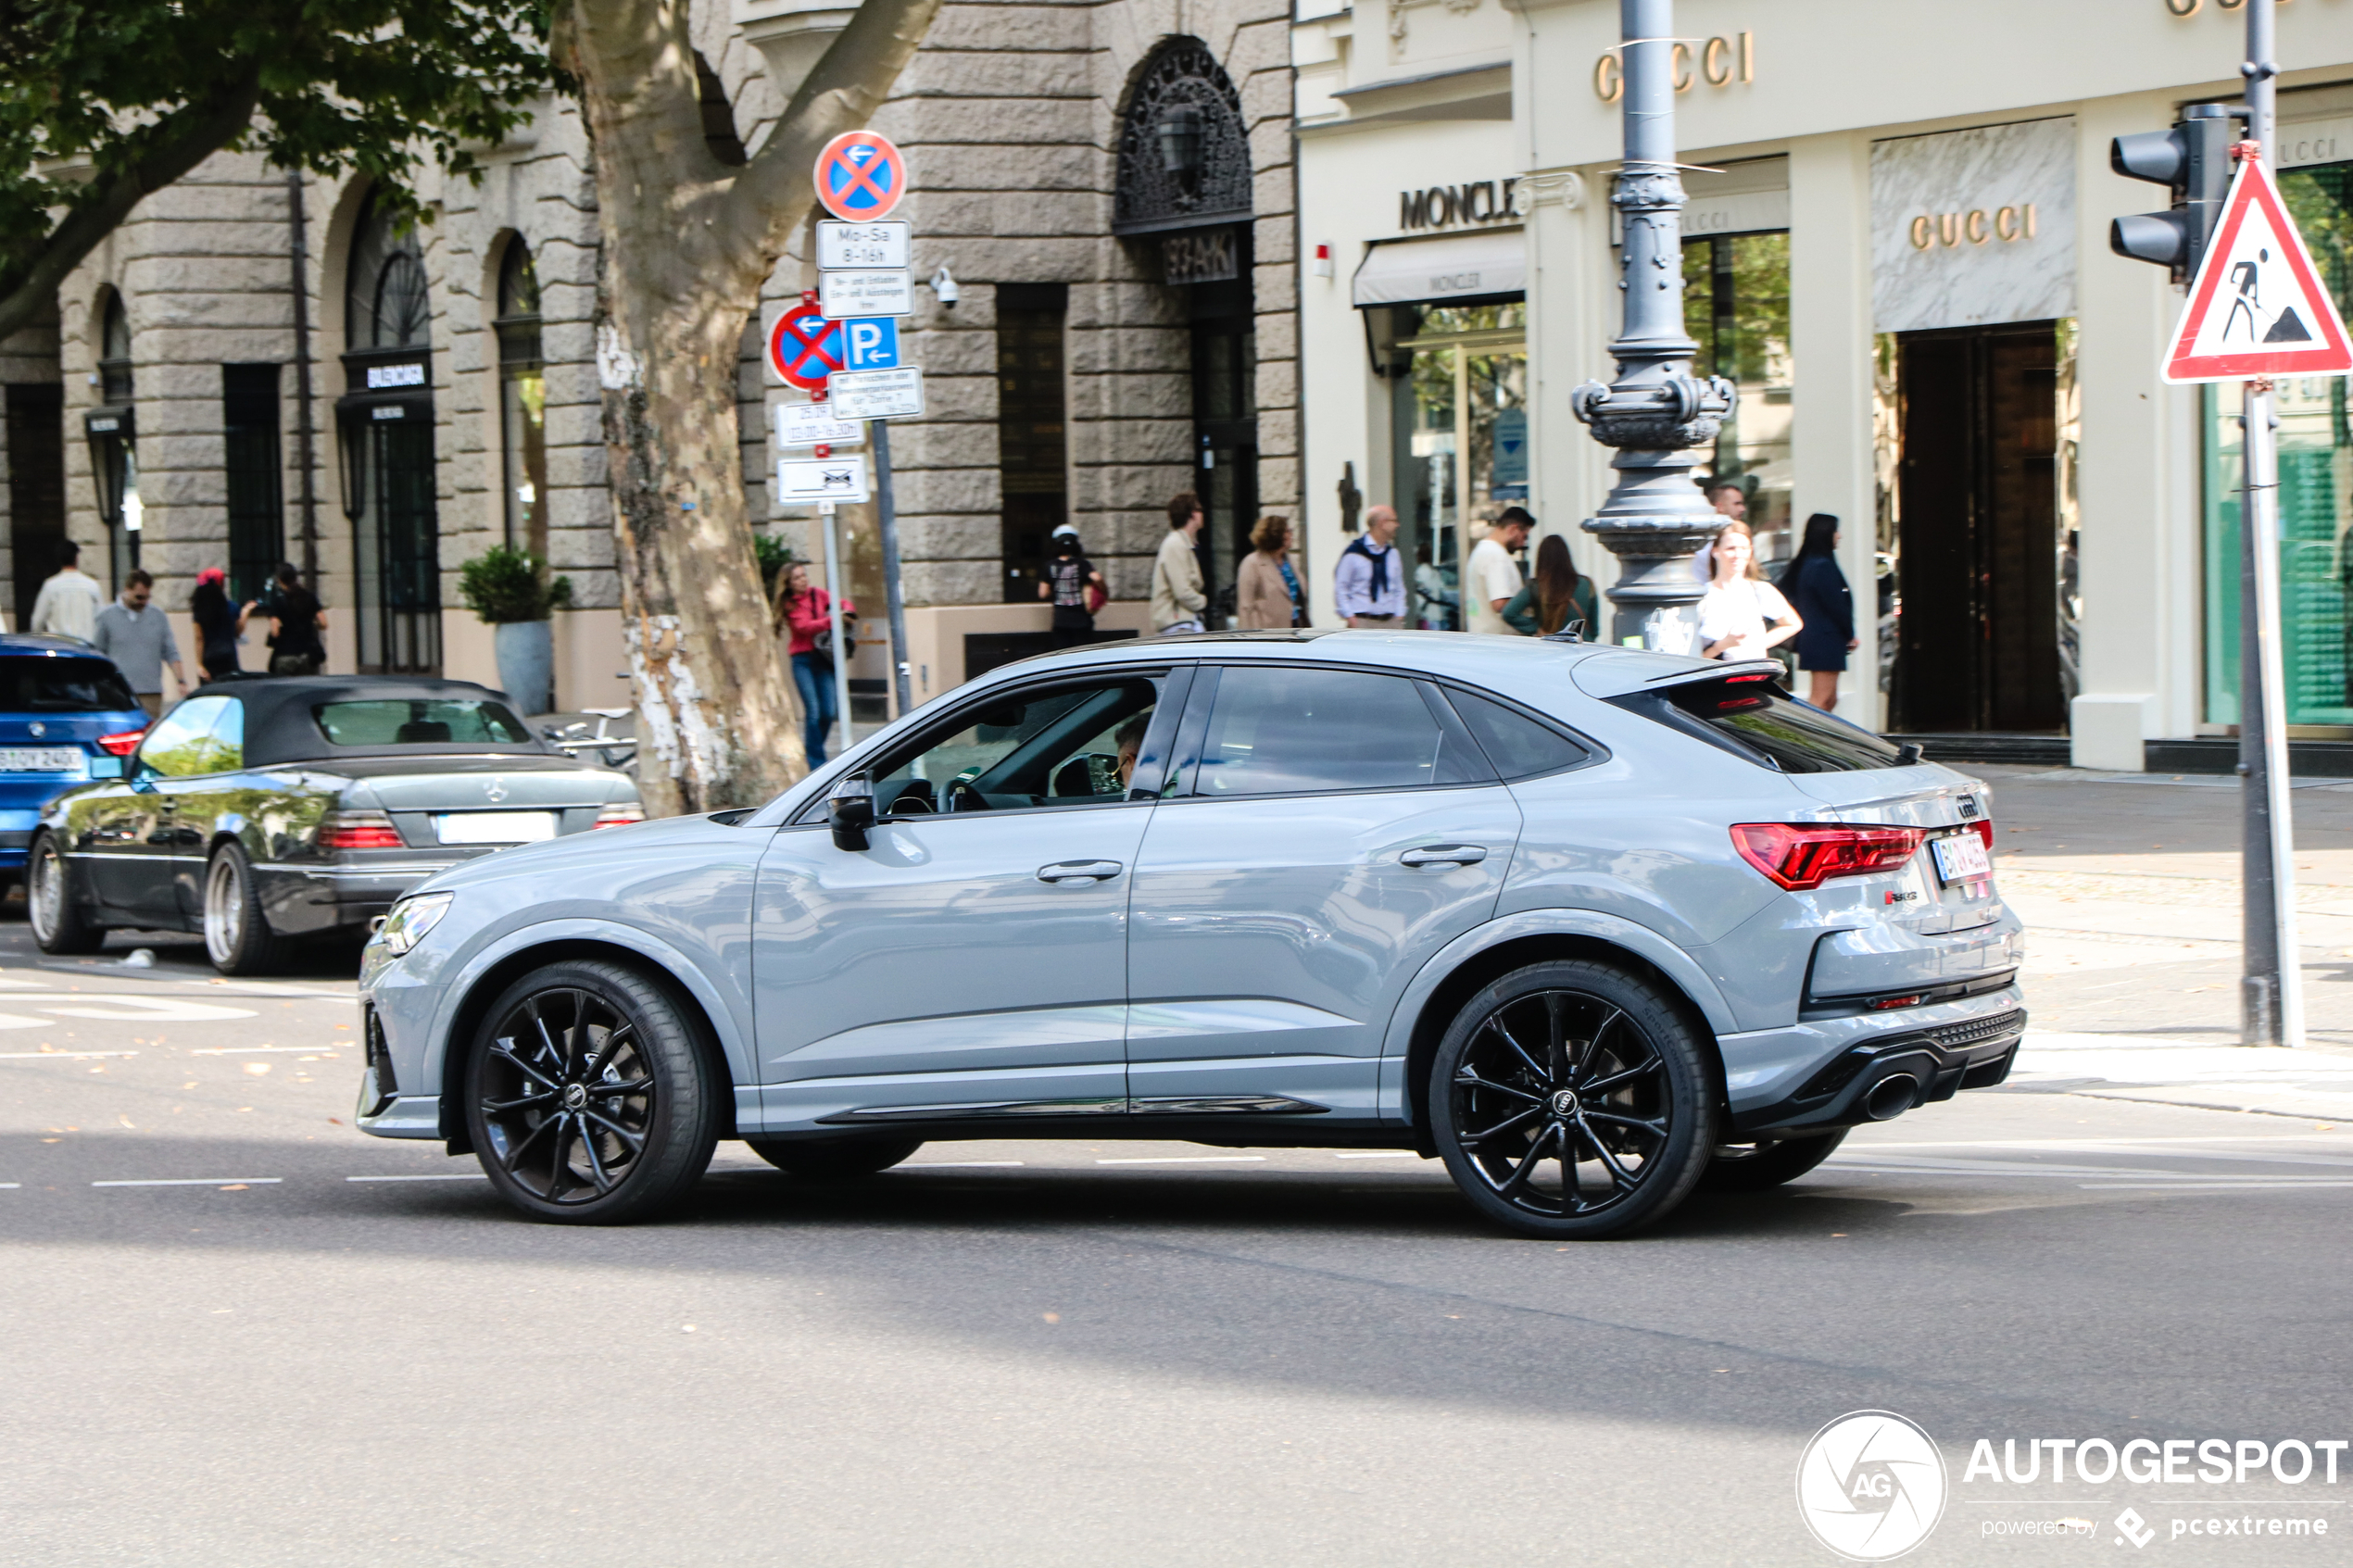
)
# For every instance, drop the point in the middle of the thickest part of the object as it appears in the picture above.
(1570, 1100)
(833, 1157)
(1760, 1167)
(586, 1096)
(58, 924)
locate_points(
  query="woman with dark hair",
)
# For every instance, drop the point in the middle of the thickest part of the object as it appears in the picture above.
(1560, 594)
(218, 623)
(1816, 589)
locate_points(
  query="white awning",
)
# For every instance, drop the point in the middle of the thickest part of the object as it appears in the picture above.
(1458, 266)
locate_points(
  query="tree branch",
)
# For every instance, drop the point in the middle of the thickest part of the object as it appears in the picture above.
(772, 196)
(644, 100)
(184, 140)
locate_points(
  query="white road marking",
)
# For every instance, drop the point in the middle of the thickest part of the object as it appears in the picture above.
(1376, 1154)
(257, 1050)
(2192, 1185)
(962, 1164)
(195, 1181)
(57, 1056)
(11, 1185)
(436, 1176)
(1188, 1159)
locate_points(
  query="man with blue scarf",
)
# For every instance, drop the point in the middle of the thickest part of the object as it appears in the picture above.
(1370, 585)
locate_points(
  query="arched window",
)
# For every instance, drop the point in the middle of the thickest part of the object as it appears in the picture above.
(522, 400)
(385, 303)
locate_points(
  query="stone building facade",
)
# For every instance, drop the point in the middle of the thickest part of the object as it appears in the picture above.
(1064, 156)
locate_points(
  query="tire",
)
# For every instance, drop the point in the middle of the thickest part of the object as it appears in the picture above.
(1577, 1056)
(1759, 1167)
(58, 922)
(582, 1045)
(833, 1157)
(236, 933)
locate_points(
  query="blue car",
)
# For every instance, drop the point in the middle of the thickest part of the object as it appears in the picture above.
(66, 716)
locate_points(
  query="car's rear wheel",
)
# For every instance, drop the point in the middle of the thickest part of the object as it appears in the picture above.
(1570, 1100)
(587, 1096)
(58, 924)
(833, 1157)
(237, 935)
(1757, 1166)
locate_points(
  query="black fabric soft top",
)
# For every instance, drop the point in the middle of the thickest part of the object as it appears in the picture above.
(281, 726)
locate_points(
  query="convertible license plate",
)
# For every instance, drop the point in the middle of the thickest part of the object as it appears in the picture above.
(1961, 858)
(40, 759)
(496, 827)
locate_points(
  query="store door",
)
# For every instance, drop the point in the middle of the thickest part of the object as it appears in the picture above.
(1224, 436)
(1977, 560)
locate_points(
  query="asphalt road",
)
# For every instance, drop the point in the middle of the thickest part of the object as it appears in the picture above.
(310, 1347)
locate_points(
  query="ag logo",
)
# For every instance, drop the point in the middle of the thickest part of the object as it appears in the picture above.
(1870, 1486)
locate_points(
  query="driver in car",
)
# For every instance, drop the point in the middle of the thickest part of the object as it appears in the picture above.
(1131, 741)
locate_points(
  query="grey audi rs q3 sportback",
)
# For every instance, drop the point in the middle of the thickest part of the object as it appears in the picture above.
(1593, 926)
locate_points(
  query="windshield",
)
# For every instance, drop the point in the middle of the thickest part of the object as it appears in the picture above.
(1750, 716)
(63, 686)
(419, 721)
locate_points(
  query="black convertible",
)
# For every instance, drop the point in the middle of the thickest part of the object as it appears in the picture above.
(262, 810)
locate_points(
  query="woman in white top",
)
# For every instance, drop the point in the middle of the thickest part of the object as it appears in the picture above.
(1733, 613)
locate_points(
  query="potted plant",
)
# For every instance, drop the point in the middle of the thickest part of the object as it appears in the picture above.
(511, 590)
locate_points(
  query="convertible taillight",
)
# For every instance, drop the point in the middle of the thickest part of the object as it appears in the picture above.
(359, 830)
(620, 815)
(122, 744)
(1803, 854)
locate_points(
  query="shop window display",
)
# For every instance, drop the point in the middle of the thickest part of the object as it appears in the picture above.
(1460, 437)
(1736, 309)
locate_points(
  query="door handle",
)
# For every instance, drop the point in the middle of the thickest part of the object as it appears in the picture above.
(1445, 855)
(1079, 870)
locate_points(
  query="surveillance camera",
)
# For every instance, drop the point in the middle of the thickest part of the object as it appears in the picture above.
(943, 285)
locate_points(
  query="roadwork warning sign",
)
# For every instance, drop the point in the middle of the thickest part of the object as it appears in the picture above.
(2258, 306)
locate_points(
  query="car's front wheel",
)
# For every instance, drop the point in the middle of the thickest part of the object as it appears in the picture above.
(586, 1096)
(833, 1157)
(1571, 1101)
(236, 935)
(58, 924)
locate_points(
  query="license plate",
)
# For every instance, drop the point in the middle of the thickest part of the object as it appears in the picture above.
(1961, 858)
(496, 827)
(40, 759)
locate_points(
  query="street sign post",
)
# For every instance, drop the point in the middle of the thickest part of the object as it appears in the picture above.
(802, 481)
(804, 347)
(878, 394)
(2258, 306)
(863, 244)
(874, 291)
(815, 424)
(860, 176)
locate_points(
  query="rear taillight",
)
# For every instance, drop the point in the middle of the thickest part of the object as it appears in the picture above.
(359, 830)
(122, 744)
(1803, 854)
(1984, 826)
(621, 816)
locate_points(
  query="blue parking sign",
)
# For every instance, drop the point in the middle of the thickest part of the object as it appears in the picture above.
(870, 343)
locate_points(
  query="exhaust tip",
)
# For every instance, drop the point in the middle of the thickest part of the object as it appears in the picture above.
(1891, 1096)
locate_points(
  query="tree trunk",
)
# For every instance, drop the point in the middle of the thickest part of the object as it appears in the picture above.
(686, 244)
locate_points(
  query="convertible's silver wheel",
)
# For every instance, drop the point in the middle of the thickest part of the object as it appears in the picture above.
(224, 911)
(57, 925)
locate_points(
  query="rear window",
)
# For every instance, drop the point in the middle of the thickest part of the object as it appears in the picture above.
(1751, 717)
(63, 686)
(419, 721)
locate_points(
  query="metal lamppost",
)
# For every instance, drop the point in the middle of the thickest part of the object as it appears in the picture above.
(1657, 411)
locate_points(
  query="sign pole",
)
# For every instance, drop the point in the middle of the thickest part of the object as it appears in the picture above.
(887, 510)
(2272, 1006)
(841, 645)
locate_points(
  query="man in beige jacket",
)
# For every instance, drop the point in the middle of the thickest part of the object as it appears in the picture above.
(1177, 600)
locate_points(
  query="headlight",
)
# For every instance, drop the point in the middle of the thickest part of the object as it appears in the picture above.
(410, 919)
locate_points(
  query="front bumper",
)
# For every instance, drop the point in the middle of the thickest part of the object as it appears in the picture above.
(1825, 1073)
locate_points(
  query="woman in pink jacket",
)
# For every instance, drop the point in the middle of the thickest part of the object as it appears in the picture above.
(809, 616)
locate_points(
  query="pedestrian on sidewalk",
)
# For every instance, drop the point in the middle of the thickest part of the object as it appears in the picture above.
(809, 618)
(220, 623)
(1267, 587)
(295, 621)
(1178, 599)
(137, 636)
(1075, 588)
(68, 605)
(1368, 586)
(1733, 613)
(1560, 594)
(1816, 589)
(1492, 578)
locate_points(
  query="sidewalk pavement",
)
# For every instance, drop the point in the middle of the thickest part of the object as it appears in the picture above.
(2129, 886)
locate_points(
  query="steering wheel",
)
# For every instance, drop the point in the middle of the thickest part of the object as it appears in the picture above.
(912, 802)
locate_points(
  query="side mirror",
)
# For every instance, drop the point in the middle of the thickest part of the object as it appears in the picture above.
(849, 811)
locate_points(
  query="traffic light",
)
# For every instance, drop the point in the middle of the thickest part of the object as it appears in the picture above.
(2195, 158)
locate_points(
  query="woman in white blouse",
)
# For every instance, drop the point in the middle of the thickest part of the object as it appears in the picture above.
(1739, 602)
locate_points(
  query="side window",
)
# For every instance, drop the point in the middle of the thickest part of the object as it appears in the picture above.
(229, 737)
(1277, 729)
(180, 746)
(1069, 746)
(1519, 746)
